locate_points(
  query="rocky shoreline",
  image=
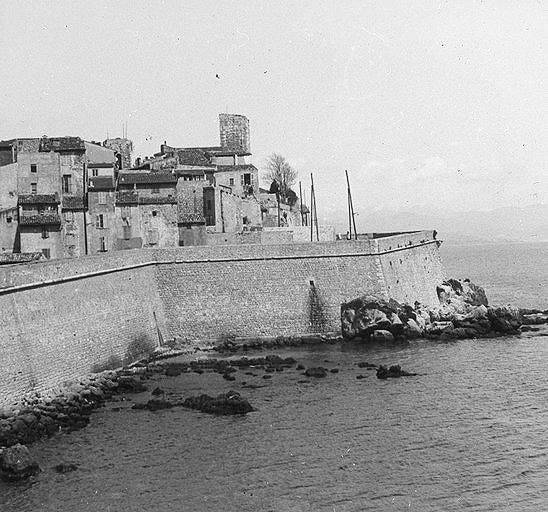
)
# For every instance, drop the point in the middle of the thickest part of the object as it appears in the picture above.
(463, 313)
(40, 416)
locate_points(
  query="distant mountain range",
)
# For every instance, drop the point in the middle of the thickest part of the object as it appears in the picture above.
(529, 223)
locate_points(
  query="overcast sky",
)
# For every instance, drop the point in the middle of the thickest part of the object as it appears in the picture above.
(426, 103)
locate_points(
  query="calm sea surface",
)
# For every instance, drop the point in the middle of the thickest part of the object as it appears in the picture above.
(469, 433)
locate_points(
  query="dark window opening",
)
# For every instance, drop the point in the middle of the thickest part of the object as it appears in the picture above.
(245, 220)
(95, 172)
(45, 232)
(102, 244)
(247, 179)
(33, 168)
(34, 188)
(67, 183)
(46, 253)
(154, 213)
(9, 219)
(231, 182)
(127, 232)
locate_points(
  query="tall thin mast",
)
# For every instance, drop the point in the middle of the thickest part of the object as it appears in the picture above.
(351, 215)
(301, 203)
(314, 212)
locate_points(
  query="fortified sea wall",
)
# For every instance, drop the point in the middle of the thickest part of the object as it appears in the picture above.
(62, 319)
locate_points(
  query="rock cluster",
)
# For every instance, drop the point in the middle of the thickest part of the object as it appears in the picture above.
(393, 372)
(16, 463)
(463, 312)
(226, 404)
(41, 416)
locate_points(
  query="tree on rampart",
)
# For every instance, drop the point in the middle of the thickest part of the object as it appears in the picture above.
(279, 170)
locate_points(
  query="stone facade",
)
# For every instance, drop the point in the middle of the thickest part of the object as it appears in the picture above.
(234, 131)
(51, 176)
(123, 149)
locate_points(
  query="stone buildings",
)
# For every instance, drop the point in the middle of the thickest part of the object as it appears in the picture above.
(66, 197)
(47, 181)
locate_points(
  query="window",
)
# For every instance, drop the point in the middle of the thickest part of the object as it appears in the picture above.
(102, 244)
(245, 220)
(67, 184)
(99, 221)
(9, 219)
(127, 232)
(154, 213)
(46, 253)
(95, 172)
(152, 236)
(155, 190)
(45, 232)
(102, 198)
(33, 168)
(34, 188)
(247, 179)
(231, 182)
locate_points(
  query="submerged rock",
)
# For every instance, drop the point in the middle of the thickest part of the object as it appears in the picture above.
(154, 404)
(65, 467)
(130, 385)
(223, 404)
(317, 371)
(16, 463)
(394, 371)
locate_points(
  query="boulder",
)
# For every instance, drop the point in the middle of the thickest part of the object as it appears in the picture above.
(16, 463)
(65, 467)
(317, 371)
(505, 319)
(394, 371)
(130, 385)
(381, 336)
(224, 404)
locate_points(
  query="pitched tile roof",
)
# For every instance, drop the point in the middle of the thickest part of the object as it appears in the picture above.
(101, 165)
(242, 168)
(192, 156)
(61, 144)
(22, 257)
(38, 199)
(126, 198)
(97, 183)
(73, 203)
(129, 178)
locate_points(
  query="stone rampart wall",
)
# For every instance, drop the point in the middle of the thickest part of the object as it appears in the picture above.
(62, 318)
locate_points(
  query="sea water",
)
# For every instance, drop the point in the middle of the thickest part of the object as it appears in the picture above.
(468, 433)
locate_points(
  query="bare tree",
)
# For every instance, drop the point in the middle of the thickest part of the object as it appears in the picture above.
(279, 170)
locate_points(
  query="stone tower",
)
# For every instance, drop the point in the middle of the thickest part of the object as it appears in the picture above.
(123, 148)
(234, 131)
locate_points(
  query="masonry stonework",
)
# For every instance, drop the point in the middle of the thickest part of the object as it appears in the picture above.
(63, 317)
